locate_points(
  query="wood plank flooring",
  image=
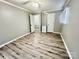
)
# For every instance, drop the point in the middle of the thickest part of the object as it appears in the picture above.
(35, 46)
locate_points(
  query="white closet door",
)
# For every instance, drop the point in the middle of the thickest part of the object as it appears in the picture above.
(32, 23)
(50, 22)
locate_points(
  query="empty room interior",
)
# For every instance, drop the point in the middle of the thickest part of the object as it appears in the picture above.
(39, 29)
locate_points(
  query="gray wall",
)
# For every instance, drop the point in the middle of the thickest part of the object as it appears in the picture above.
(44, 19)
(70, 31)
(57, 22)
(13, 23)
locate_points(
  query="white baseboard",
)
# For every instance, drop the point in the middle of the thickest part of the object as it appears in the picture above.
(66, 46)
(57, 32)
(14, 40)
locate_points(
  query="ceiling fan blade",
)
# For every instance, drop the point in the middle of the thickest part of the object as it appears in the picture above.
(25, 2)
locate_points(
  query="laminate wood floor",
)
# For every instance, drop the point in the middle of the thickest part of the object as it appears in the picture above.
(35, 46)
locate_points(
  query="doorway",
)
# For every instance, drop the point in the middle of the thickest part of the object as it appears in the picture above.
(35, 22)
(44, 22)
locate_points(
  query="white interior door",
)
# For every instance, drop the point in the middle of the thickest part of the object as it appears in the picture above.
(50, 22)
(32, 23)
(37, 21)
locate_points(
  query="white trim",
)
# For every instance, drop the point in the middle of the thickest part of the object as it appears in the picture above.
(66, 47)
(65, 44)
(14, 40)
(57, 32)
(14, 5)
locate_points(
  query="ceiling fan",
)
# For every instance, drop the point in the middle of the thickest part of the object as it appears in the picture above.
(35, 3)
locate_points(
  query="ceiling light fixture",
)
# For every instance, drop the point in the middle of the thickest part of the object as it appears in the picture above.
(35, 4)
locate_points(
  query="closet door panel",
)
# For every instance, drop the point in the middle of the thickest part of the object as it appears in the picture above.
(50, 22)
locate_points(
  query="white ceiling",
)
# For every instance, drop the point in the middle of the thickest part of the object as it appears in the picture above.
(39, 5)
